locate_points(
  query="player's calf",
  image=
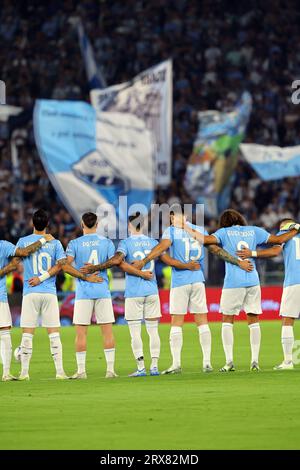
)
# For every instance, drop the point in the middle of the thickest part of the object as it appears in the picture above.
(135, 328)
(154, 343)
(6, 353)
(26, 353)
(109, 350)
(57, 354)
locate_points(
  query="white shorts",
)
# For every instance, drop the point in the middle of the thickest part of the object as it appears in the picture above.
(241, 298)
(290, 301)
(191, 297)
(139, 308)
(5, 316)
(44, 305)
(84, 309)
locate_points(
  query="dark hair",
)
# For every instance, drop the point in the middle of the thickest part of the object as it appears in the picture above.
(137, 220)
(89, 219)
(40, 220)
(231, 217)
(179, 210)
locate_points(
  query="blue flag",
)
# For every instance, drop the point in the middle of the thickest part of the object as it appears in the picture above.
(93, 159)
(94, 75)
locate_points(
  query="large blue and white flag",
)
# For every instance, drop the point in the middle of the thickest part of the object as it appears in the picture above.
(271, 162)
(148, 97)
(92, 159)
(94, 74)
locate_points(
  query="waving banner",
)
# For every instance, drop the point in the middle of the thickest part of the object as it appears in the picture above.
(271, 162)
(148, 98)
(215, 153)
(91, 158)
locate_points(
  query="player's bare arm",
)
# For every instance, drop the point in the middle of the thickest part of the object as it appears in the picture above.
(266, 253)
(115, 260)
(164, 245)
(10, 267)
(65, 265)
(174, 263)
(130, 269)
(68, 268)
(200, 237)
(23, 252)
(244, 264)
(284, 237)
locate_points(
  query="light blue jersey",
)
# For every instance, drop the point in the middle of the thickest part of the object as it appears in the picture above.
(291, 257)
(134, 248)
(95, 249)
(7, 250)
(40, 262)
(185, 248)
(233, 239)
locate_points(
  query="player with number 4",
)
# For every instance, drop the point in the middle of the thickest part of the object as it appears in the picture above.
(188, 288)
(241, 290)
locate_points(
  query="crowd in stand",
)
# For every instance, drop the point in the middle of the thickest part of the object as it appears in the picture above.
(218, 49)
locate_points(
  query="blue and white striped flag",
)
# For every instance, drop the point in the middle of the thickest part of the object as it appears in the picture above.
(94, 75)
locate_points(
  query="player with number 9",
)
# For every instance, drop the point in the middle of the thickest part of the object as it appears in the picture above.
(188, 286)
(289, 306)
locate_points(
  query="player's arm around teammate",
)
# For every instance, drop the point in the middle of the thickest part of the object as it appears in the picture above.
(92, 297)
(289, 305)
(40, 300)
(141, 295)
(188, 292)
(12, 256)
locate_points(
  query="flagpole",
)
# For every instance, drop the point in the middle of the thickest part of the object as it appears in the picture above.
(17, 181)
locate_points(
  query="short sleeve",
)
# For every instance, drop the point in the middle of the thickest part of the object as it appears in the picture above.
(19, 244)
(154, 243)
(262, 235)
(167, 235)
(60, 252)
(70, 251)
(110, 249)
(122, 248)
(9, 249)
(219, 235)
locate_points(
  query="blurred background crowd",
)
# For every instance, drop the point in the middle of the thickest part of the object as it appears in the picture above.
(218, 49)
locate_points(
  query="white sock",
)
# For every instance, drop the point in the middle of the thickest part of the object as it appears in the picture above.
(6, 350)
(56, 352)
(176, 341)
(205, 342)
(135, 329)
(287, 341)
(227, 340)
(80, 359)
(110, 359)
(26, 352)
(154, 341)
(255, 336)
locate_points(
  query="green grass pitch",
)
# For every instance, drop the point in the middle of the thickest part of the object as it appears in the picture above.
(240, 410)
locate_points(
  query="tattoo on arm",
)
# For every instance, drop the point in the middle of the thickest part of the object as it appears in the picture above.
(23, 252)
(224, 255)
(10, 267)
(116, 260)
